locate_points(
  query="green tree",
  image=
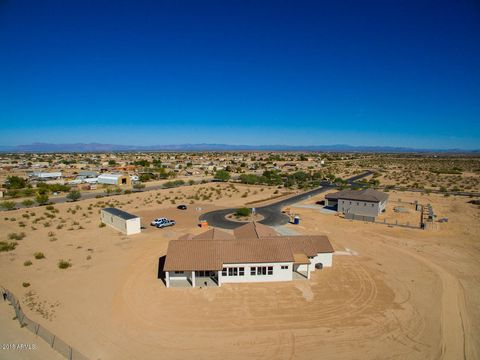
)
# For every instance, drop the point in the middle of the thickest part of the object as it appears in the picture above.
(15, 182)
(222, 175)
(41, 199)
(74, 195)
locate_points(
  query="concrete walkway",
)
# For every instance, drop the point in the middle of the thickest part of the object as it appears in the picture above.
(283, 230)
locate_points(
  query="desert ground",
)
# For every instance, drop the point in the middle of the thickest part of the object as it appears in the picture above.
(392, 293)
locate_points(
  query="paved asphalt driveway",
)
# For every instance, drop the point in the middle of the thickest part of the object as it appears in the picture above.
(272, 214)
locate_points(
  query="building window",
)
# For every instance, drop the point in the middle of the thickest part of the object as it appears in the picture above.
(373, 205)
(241, 271)
(224, 272)
(284, 267)
(178, 272)
(350, 203)
(358, 203)
(261, 270)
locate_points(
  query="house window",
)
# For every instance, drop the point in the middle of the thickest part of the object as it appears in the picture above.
(233, 271)
(373, 205)
(364, 204)
(358, 203)
(350, 203)
(241, 271)
(284, 267)
(261, 270)
(224, 272)
(178, 272)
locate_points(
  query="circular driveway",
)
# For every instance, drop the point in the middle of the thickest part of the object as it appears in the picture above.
(272, 214)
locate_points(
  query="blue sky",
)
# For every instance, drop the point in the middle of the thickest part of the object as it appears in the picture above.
(400, 73)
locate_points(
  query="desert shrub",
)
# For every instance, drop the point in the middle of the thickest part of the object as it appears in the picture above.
(27, 202)
(39, 255)
(243, 212)
(50, 207)
(25, 284)
(15, 236)
(7, 246)
(101, 225)
(74, 195)
(27, 263)
(7, 205)
(64, 264)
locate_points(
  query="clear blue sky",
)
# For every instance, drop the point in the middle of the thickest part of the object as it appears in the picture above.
(401, 73)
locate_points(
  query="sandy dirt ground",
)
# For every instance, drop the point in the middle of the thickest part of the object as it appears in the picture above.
(392, 293)
(20, 343)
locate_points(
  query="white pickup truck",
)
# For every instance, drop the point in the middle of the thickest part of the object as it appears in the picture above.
(166, 223)
(158, 221)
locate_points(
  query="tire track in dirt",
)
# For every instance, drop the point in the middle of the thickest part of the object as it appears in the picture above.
(453, 325)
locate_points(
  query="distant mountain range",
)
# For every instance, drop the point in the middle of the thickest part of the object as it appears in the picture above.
(95, 147)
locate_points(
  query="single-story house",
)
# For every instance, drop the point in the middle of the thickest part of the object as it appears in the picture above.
(114, 179)
(366, 203)
(239, 260)
(120, 220)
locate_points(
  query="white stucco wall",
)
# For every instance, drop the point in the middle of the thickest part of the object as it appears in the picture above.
(128, 227)
(278, 273)
(133, 226)
(184, 275)
(326, 259)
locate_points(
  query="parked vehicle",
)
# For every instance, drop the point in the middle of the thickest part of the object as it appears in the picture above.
(158, 221)
(166, 223)
(182, 207)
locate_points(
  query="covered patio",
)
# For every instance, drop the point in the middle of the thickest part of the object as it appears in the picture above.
(301, 267)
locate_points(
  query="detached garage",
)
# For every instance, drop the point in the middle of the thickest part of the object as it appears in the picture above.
(114, 179)
(120, 220)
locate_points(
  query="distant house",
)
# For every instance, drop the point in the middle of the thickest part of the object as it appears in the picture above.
(366, 203)
(87, 174)
(120, 220)
(114, 179)
(46, 175)
(216, 257)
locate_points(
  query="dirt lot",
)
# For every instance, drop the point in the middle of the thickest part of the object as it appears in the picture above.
(391, 293)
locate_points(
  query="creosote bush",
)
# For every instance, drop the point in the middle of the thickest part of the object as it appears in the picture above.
(15, 236)
(64, 264)
(27, 263)
(7, 245)
(39, 255)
